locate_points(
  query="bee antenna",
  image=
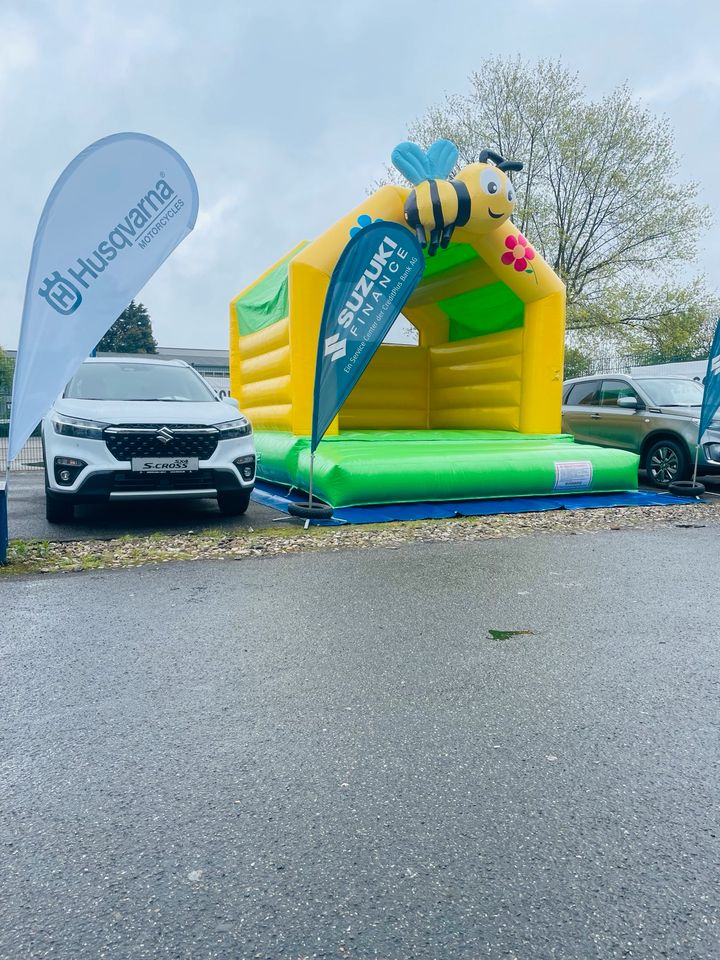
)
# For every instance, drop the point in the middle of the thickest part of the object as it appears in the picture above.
(500, 162)
(486, 155)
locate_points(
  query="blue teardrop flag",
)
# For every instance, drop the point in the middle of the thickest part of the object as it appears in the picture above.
(711, 397)
(376, 273)
(116, 213)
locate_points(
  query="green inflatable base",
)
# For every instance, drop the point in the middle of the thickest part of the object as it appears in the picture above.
(410, 466)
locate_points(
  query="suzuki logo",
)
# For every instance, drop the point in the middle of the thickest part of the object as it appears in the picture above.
(333, 348)
(164, 435)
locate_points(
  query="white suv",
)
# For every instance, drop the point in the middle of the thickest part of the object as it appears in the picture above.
(141, 429)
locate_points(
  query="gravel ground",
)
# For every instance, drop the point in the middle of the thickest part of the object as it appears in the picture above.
(48, 557)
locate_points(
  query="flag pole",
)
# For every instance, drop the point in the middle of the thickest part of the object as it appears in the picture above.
(310, 485)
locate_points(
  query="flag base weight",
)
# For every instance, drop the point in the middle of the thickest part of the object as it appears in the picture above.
(686, 488)
(310, 511)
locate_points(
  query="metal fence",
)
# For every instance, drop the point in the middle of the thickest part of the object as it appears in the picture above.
(29, 458)
(31, 455)
(623, 363)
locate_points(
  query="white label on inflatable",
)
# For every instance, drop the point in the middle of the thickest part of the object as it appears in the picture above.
(573, 475)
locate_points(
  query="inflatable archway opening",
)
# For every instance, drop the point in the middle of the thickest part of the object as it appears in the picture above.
(473, 410)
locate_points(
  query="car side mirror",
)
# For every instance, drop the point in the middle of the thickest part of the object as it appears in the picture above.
(630, 403)
(232, 401)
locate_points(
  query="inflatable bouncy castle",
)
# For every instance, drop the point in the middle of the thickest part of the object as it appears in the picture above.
(473, 410)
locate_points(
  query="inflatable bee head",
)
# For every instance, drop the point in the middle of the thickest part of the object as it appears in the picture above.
(492, 195)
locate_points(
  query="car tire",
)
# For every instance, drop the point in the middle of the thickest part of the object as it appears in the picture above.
(234, 503)
(666, 462)
(59, 509)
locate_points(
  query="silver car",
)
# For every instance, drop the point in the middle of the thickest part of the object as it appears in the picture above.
(656, 417)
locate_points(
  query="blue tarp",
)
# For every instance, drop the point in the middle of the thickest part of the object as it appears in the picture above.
(278, 497)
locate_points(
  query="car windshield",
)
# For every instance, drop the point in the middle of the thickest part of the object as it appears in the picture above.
(137, 381)
(665, 392)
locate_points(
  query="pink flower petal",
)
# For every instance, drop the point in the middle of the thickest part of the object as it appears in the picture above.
(529, 253)
(507, 258)
(521, 239)
(521, 264)
(510, 242)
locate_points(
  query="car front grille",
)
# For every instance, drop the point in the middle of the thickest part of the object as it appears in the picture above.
(144, 440)
(124, 481)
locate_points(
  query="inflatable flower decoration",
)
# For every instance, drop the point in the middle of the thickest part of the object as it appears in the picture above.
(519, 253)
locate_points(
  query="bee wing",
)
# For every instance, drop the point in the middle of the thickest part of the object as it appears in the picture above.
(411, 161)
(442, 157)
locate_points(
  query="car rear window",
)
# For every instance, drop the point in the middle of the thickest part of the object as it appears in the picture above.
(584, 394)
(137, 381)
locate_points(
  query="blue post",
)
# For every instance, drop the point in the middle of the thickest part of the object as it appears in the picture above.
(3, 523)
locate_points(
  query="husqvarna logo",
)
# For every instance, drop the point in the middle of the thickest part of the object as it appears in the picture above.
(164, 435)
(335, 348)
(61, 294)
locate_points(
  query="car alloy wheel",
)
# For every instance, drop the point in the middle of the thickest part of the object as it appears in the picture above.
(664, 464)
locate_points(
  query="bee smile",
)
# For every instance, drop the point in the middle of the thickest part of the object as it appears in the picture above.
(495, 216)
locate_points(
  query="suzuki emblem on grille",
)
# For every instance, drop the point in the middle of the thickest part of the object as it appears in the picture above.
(164, 435)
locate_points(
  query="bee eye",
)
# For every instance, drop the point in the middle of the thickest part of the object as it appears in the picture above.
(490, 182)
(510, 193)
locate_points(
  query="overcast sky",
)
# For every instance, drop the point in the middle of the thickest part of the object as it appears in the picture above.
(287, 111)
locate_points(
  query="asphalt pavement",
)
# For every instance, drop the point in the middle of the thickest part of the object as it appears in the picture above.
(328, 755)
(26, 515)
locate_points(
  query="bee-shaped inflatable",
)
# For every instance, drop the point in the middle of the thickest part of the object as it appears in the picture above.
(480, 197)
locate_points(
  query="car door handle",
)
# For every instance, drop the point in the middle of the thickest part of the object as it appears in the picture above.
(594, 416)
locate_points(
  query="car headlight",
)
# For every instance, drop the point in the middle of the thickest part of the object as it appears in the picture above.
(232, 429)
(72, 427)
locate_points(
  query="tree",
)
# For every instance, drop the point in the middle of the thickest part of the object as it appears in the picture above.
(599, 193)
(683, 328)
(131, 332)
(577, 362)
(7, 368)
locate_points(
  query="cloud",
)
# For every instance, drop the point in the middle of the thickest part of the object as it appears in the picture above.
(216, 223)
(18, 50)
(701, 75)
